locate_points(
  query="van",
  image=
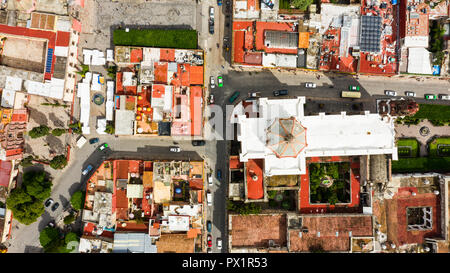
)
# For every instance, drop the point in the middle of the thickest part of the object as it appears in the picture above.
(234, 96)
(283, 92)
(210, 180)
(209, 198)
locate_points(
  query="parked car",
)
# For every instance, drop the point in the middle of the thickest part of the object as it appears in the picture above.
(410, 94)
(212, 82)
(390, 93)
(49, 202)
(209, 198)
(210, 180)
(219, 2)
(51, 224)
(208, 250)
(198, 142)
(234, 96)
(211, 99)
(444, 97)
(208, 226)
(219, 174)
(430, 97)
(254, 94)
(174, 149)
(220, 81)
(211, 27)
(353, 87)
(87, 170)
(103, 146)
(209, 240)
(93, 140)
(219, 243)
(55, 206)
(283, 92)
(310, 85)
(211, 12)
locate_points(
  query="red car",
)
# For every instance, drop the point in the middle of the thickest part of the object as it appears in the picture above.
(209, 239)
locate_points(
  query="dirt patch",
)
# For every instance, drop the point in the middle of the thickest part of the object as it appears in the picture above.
(37, 116)
(55, 144)
(56, 121)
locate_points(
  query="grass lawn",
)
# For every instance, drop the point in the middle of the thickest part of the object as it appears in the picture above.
(421, 164)
(408, 147)
(165, 38)
(433, 112)
(444, 147)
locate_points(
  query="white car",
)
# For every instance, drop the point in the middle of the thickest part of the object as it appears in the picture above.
(175, 149)
(211, 12)
(210, 180)
(390, 93)
(410, 94)
(310, 85)
(212, 82)
(444, 97)
(219, 243)
(209, 198)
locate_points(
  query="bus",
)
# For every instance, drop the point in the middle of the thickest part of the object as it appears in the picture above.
(351, 94)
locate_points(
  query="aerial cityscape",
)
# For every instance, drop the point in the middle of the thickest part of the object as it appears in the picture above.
(225, 126)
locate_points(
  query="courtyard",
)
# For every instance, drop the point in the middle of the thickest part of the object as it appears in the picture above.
(329, 183)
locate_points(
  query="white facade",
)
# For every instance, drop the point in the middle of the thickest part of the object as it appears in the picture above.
(326, 135)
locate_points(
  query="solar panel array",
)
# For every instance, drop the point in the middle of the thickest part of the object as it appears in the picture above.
(370, 33)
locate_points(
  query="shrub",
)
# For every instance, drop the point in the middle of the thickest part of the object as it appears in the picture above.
(39, 131)
(27, 161)
(77, 200)
(58, 162)
(58, 131)
(69, 219)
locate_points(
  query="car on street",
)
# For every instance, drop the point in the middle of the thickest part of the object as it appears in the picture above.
(211, 27)
(430, 97)
(211, 99)
(390, 93)
(254, 94)
(174, 149)
(87, 170)
(209, 240)
(219, 2)
(51, 224)
(283, 92)
(234, 96)
(219, 174)
(209, 226)
(212, 82)
(353, 87)
(444, 97)
(219, 243)
(310, 85)
(410, 94)
(210, 180)
(211, 13)
(208, 250)
(49, 202)
(55, 206)
(93, 140)
(209, 198)
(219, 81)
(103, 146)
(198, 142)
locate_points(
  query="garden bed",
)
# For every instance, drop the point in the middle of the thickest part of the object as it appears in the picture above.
(421, 164)
(439, 147)
(408, 147)
(174, 38)
(329, 183)
(284, 199)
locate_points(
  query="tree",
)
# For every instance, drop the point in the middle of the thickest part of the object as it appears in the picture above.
(49, 237)
(110, 129)
(27, 161)
(77, 200)
(39, 131)
(37, 184)
(58, 162)
(70, 237)
(69, 219)
(58, 131)
(301, 4)
(76, 127)
(25, 208)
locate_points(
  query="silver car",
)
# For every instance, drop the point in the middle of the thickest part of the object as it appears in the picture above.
(212, 82)
(390, 93)
(410, 94)
(310, 85)
(175, 149)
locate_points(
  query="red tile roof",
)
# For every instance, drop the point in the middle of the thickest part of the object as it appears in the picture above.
(197, 75)
(136, 55)
(121, 169)
(5, 173)
(62, 38)
(167, 55)
(328, 239)
(196, 110)
(239, 46)
(257, 230)
(160, 73)
(235, 163)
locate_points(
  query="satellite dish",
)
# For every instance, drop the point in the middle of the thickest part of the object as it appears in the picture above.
(131, 216)
(436, 192)
(255, 177)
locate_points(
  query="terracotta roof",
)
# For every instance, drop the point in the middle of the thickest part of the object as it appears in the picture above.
(122, 169)
(257, 230)
(327, 227)
(255, 188)
(235, 163)
(147, 179)
(175, 243)
(5, 172)
(196, 75)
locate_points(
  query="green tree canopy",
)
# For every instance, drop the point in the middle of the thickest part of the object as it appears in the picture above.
(58, 131)
(48, 236)
(69, 219)
(77, 200)
(71, 236)
(58, 162)
(39, 131)
(37, 184)
(301, 4)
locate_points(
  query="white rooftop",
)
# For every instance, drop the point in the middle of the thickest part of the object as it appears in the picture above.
(124, 122)
(326, 135)
(178, 223)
